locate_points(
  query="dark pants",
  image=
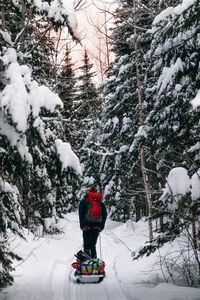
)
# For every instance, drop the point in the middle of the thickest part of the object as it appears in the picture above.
(89, 242)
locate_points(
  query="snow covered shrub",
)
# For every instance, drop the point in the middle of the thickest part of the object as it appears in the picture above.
(179, 210)
(179, 264)
(6, 257)
(10, 221)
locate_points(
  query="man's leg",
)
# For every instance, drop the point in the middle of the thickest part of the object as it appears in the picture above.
(94, 237)
(87, 240)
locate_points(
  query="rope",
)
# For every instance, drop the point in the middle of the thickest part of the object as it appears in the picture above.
(132, 252)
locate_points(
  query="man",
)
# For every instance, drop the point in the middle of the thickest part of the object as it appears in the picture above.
(92, 217)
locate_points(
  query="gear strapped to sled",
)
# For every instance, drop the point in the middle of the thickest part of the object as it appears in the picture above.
(88, 270)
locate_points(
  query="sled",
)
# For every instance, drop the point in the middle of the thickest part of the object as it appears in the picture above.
(90, 278)
(88, 270)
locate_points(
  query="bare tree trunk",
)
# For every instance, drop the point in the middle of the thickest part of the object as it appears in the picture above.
(194, 231)
(101, 52)
(141, 119)
(21, 37)
(107, 40)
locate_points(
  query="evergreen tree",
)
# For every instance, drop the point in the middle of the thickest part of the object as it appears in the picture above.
(29, 149)
(66, 84)
(171, 128)
(86, 103)
(85, 120)
(40, 51)
(122, 178)
(10, 219)
(32, 38)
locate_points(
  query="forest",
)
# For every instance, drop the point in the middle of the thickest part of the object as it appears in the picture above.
(130, 126)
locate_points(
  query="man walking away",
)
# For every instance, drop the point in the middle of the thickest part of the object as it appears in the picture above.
(92, 217)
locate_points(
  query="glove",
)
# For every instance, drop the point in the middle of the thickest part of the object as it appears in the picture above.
(97, 228)
(86, 228)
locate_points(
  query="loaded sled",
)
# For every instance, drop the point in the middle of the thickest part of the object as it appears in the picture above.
(88, 270)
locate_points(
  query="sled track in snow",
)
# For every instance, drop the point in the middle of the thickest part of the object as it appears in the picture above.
(97, 291)
(57, 280)
(108, 289)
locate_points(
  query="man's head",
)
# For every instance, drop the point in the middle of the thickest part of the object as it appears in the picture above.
(93, 189)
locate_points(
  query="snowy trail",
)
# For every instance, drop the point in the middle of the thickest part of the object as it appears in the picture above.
(110, 288)
(46, 273)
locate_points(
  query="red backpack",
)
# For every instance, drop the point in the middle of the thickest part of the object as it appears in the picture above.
(94, 211)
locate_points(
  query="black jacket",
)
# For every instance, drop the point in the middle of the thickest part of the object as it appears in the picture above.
(83, 206)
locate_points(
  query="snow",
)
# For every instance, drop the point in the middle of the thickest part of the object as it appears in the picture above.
(67, 156)
(59, 10)
(42, 96)
(195, 186)
(178, 182)
(196, 101)
(115, 121)
(195, 147)
(179, 9)
(45, 272)
(21, 98)
(171, 11)
(6, 36)
(14, 138)
(168, 74)
(163, 15)
(108, 188)
(23, 95)
(14, 96)
(123, 148)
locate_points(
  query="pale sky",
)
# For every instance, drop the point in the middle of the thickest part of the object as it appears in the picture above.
(88, 18)
(92, 39)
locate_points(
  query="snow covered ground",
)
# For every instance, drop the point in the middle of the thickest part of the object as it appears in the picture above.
(46, 274)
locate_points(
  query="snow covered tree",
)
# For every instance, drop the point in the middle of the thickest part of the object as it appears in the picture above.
(171, 129)
(29, 148)
(66, 84)
(121, 170)
(85, 120)
(32, 37)
(40, 49)
(86, 103)
(179, 205)
(10, 220)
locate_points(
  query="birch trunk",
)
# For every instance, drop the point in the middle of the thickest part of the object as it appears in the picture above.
(141, 119)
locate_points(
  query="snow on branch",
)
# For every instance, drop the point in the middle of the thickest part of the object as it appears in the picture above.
(22, 95)
(21, 98)
(60, 12)
(67, 157)
(171, 11)
(179, 184)
(196, 101)
(168, 74)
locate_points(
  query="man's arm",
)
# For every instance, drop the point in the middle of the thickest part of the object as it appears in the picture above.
(81, 211)
(104, 216)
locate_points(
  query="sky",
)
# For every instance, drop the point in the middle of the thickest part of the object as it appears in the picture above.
(91, 17)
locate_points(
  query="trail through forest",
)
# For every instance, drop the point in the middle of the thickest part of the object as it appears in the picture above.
(46, 274)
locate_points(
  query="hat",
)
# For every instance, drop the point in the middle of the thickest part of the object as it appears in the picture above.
(93, 189)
